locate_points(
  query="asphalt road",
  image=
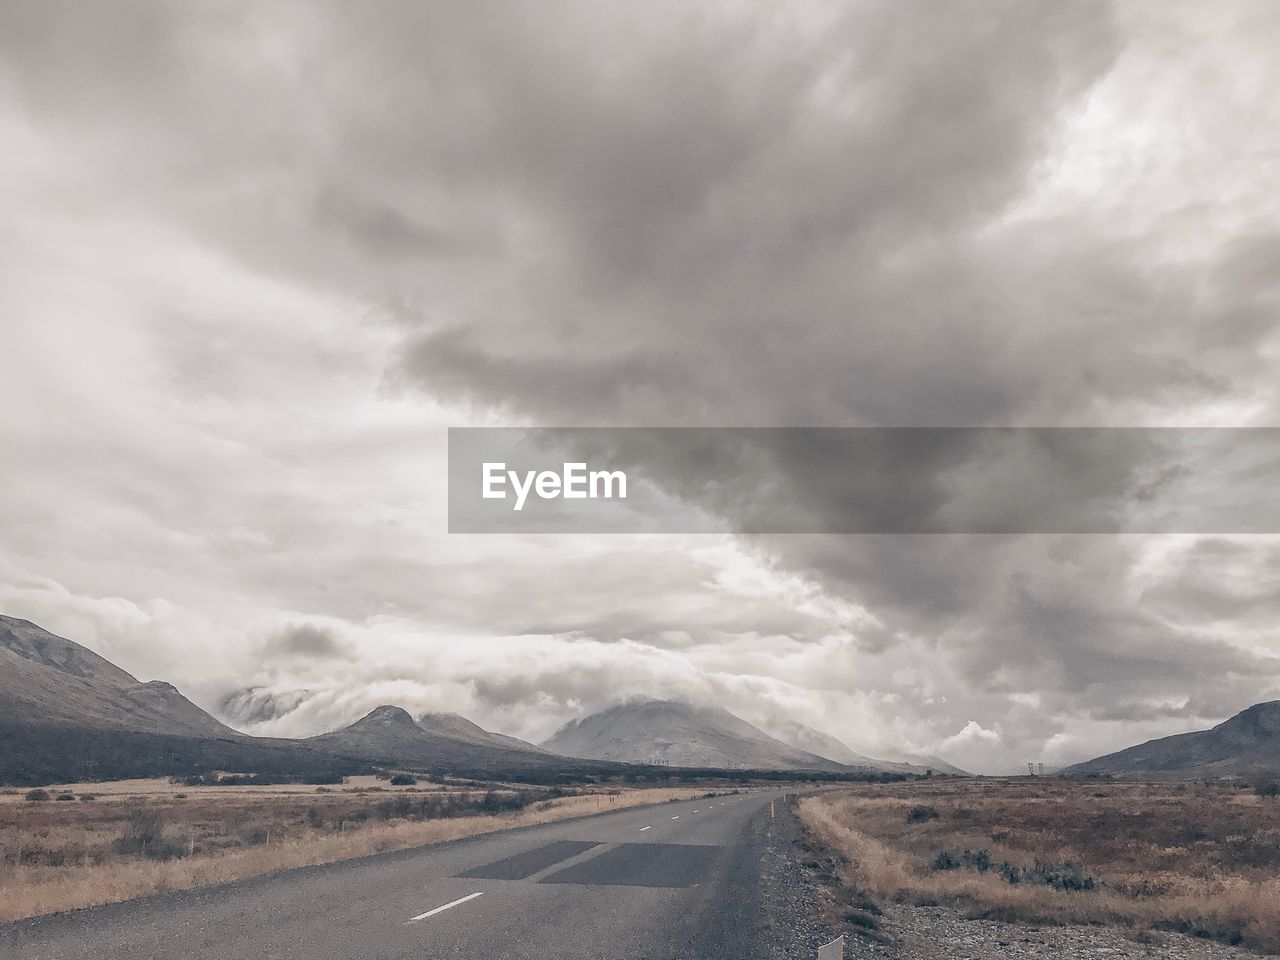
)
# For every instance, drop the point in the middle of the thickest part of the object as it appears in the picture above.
(667, 882)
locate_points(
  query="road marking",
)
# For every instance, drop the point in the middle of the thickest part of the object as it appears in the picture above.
(447, 906)
(697, 811)
(676, 817)
(643, 829)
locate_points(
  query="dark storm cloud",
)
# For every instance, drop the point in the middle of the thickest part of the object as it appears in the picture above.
(770, 264)
(307, 642)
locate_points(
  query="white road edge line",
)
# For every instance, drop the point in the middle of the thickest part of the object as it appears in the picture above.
(643, 829)
(447, 906)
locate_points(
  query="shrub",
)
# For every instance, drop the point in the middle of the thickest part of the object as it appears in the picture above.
(979, 860)
(403, 780)
(921, 814)
(65, 796)
(1060, 876)
(1271, 789)
(861, 918)
(37, 795)
(143, 835)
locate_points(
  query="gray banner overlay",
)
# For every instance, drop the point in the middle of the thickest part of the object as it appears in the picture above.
(989, 480)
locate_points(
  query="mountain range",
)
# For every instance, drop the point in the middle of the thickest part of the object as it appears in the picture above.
(67, 713)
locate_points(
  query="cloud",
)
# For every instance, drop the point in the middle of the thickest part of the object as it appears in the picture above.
(255, 261)
(307, 641)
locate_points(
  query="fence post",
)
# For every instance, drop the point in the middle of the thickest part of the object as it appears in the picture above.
(833, 950)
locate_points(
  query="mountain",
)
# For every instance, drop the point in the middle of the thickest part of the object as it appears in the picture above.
(824, 745)
(1247, 745)
(252, 706)
(923, 761)
(678, 734)
(460, 728)
(388, 734)
(68, 714)
(48, 679)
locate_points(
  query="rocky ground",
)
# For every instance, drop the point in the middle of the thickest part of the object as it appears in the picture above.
(794, 876)
(941, 933)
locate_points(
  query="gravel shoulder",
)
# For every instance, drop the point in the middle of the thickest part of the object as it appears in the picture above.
(791, 926)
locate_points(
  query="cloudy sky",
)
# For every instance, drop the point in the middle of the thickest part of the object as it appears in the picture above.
(255, 259)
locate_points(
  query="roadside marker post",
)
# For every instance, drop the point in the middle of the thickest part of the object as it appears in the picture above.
(833, 950)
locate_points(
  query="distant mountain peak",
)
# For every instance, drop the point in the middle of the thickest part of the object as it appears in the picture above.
(679, 733)
(388, 714)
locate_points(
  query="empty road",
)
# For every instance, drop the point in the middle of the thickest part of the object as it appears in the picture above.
(677, 880)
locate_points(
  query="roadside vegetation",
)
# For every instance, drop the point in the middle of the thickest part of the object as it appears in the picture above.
(75, 846)
(1199, 859)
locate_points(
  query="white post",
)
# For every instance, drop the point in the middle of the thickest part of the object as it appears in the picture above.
(833, 950)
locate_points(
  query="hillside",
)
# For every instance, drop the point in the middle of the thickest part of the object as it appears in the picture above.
(67, 713)
(388, 734)
(678, 734)
(49, 679)
(1247, 745)
(918, 762)
(459, 728)
(824, 745)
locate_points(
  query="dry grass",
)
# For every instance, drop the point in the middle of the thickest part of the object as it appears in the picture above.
(1198, 859)
(139, 838)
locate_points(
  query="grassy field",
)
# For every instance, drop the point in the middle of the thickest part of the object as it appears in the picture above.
(78, 845)
(1194, 858)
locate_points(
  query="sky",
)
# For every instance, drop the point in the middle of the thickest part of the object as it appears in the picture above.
(256, 259)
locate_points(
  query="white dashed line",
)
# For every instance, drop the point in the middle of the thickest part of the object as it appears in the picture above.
(447, 906)
(676, 817)
(643, 829)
